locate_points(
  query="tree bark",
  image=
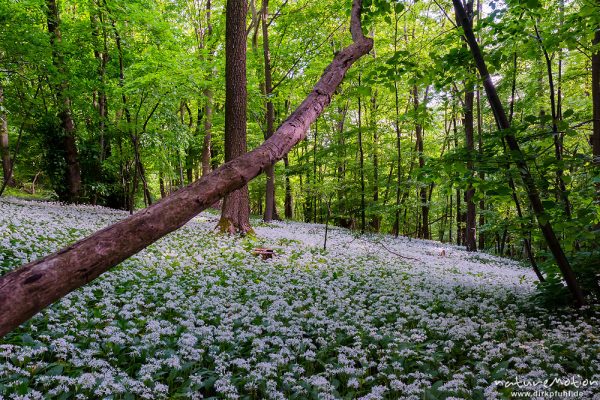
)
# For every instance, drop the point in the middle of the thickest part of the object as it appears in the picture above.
(362, 165)
(424, 231)
(235, 214)
(288, 206)
(4, 149)
(101, 55)
(376, 221)
(519, 159)
(482, 173)
(471, 214)
(27, 290)
(208, 108)
(596, 104)
(73, 172)
(396, 228)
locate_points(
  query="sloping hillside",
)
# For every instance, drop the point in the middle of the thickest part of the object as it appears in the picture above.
(197, 315)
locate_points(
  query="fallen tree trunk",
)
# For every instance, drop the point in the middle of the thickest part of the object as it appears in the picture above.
(29, 289)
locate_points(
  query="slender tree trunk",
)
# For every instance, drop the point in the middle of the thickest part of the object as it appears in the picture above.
(270, 205)
(208, 101)
(396, 228)
(235, 214)
(459, 214)
(29, 289)
(288, 205)
(482, 173)
(471, 214)
(314, 177)
(138, 167)
(361, 165)
(73, 172)
(424, 231)
(4, 149)
(99, 33)
(161, 184)
(206, 145)
(558, 147)
(376, 221)
(511, 182)
(596, 104)
(519, 159)
(308, 197)
(527, 242)
(341, 166)
(450, 218)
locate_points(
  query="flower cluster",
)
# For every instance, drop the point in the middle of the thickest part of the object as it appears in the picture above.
(196, 315)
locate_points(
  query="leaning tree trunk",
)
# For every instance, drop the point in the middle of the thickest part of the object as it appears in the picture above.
(235, 214)
(29, 289)
(73, 173)
(519, 158)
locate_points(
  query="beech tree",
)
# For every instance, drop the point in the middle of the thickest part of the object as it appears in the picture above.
(235, 212)
(32, 287)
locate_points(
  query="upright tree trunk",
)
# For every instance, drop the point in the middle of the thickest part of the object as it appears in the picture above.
(138, 167)
(519, 159)
(29, 289)
(470, 212)
(314, 189)
(235, 214)
(596, 104)
(101, 55)
(558, 145)
(376, 221)
(424, 231)
(206, 145)
(288, 206)
(471, 215)
(161, 184)
(270, 205)
(481, 174)
(362, 165)
(459, 214)
(208, 107)
(396, 228)
(73, 172)
(342, 220)
(4, 149)
(511, 182)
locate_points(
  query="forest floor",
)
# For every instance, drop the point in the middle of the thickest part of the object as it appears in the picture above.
(197, 315)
